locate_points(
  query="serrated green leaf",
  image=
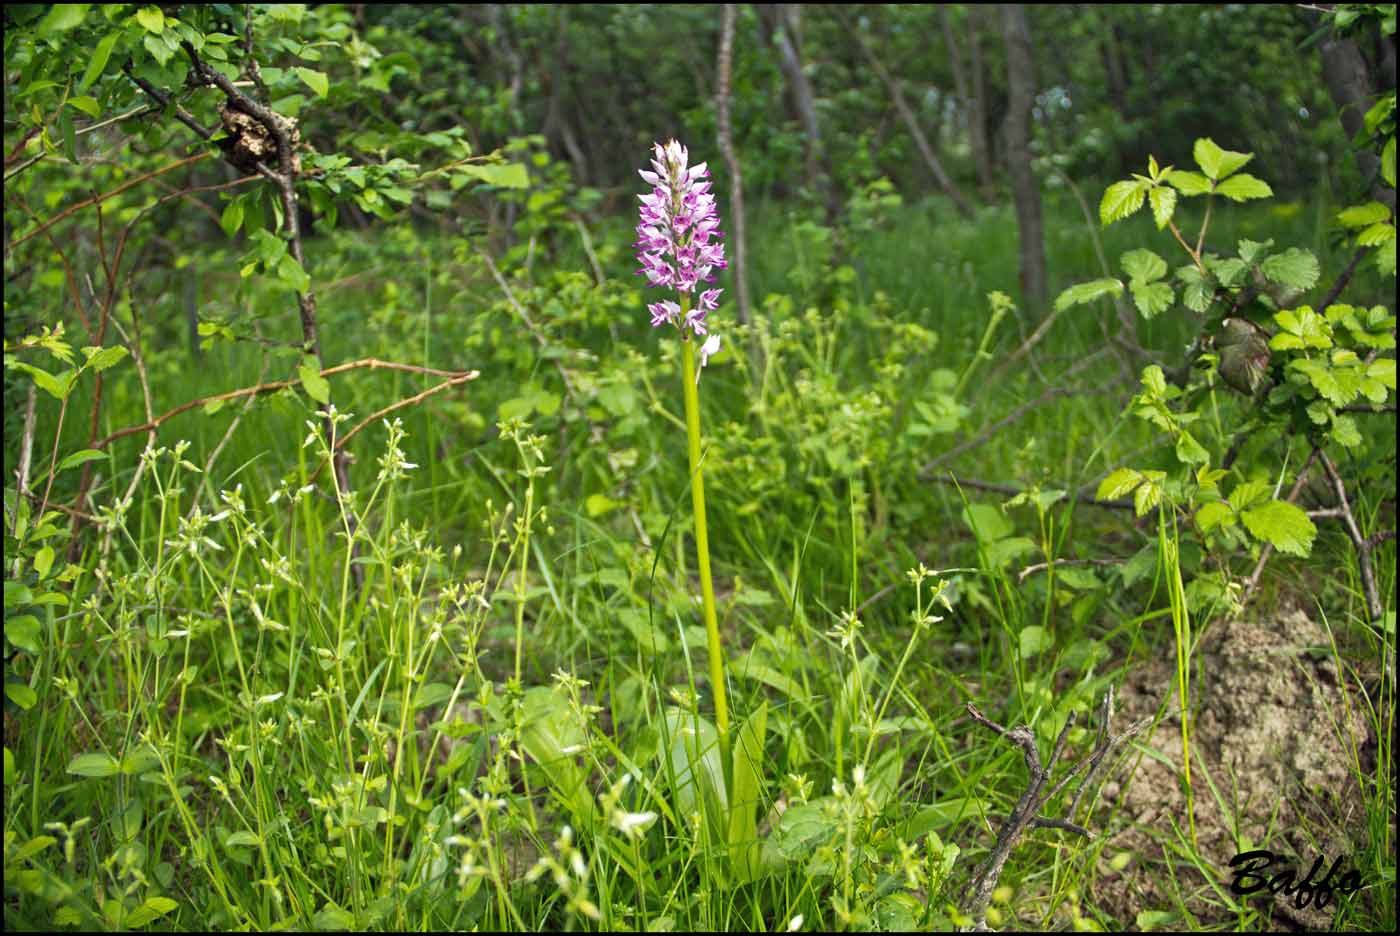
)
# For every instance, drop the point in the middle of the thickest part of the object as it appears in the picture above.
(1214, 514)
(95, 764)
(315, 80)
(1081, 293)
(1385, 258)
(101, 359)
(1344, 431)
(1244, 187)
(1196, 291)
(1388, 162)
(1376, 234)
(1360, 216)
(1143, 265)
(1146, 497)
(1188, 183)
(1189, 451)
(1163, 201)
(1152, 298)
(1254, 251)
(1295, 268)
(1247, 493)
(1154, 381)
(1218, 163)
(1382, 369)
(1283, 525)
(1119, 483)
(506, 175)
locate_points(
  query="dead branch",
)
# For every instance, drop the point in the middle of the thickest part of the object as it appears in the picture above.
(1026, 815)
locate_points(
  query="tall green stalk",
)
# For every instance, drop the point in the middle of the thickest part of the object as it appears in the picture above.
(702, 539)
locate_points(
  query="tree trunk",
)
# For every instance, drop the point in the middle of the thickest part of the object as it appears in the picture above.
(1349, 82)
(968, 98)
(986, 177)
(1020, 80)
(782, 25)
(911, 121)
(731, 159)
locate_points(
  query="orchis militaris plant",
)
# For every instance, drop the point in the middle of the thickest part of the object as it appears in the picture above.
(676, 250)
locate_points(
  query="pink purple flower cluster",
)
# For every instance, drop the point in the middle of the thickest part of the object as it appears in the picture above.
(678, 220)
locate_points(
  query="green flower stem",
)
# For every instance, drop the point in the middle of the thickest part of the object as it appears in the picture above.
(702, 540)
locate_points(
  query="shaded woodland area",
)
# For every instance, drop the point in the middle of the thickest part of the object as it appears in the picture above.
(744, 467)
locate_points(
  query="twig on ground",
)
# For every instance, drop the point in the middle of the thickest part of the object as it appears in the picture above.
(977, 894)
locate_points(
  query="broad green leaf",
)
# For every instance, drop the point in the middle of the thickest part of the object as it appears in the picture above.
(1388, 162)
(506, 175)
(1119, 483)
(99, 359)
(20, 694)
(315, 80)
(100, 54)
(1360, 216)
(151, 19)
(316, 386)
(1088, 292)
(242, 839)
(747, 795)
(1218, 163)
(1188, 183)
(161, 52)
(1163, 201)
(23, 631)
(1294, 268)
(1120, 200)
(1344, 431)
(291, 273)
(1243, 187)
(1247, 493)
(599, 504)
(333, 919)
(11, 775)
(1149, 492)
(43, 562)
(232, 218)
(1196, 293)
(1283, 525)
(152, 909)
(1152, 298)
(1143, 266)
(1154, 381)
(1385, 258)
(87, 105)
(1254, 251)
(62, 17)
(1034, 640)
(695, 766)
(1214, 514)
(35, 845)
(986, 522)
(1189, 451)
(1382, 369)
(94, 765)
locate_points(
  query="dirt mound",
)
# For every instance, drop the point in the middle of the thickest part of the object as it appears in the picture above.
(1275, 743)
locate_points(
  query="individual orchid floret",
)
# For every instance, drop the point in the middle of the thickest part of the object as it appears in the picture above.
(664, 312)
(711, 346)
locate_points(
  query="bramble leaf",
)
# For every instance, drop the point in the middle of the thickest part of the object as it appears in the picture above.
(1283, 525)
(1218, 163)
(1121, 200)
(1163, 202)
(1081, 293)
(1188, 183)
(1243, 187)
(1294, 268)
(1143, 265)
